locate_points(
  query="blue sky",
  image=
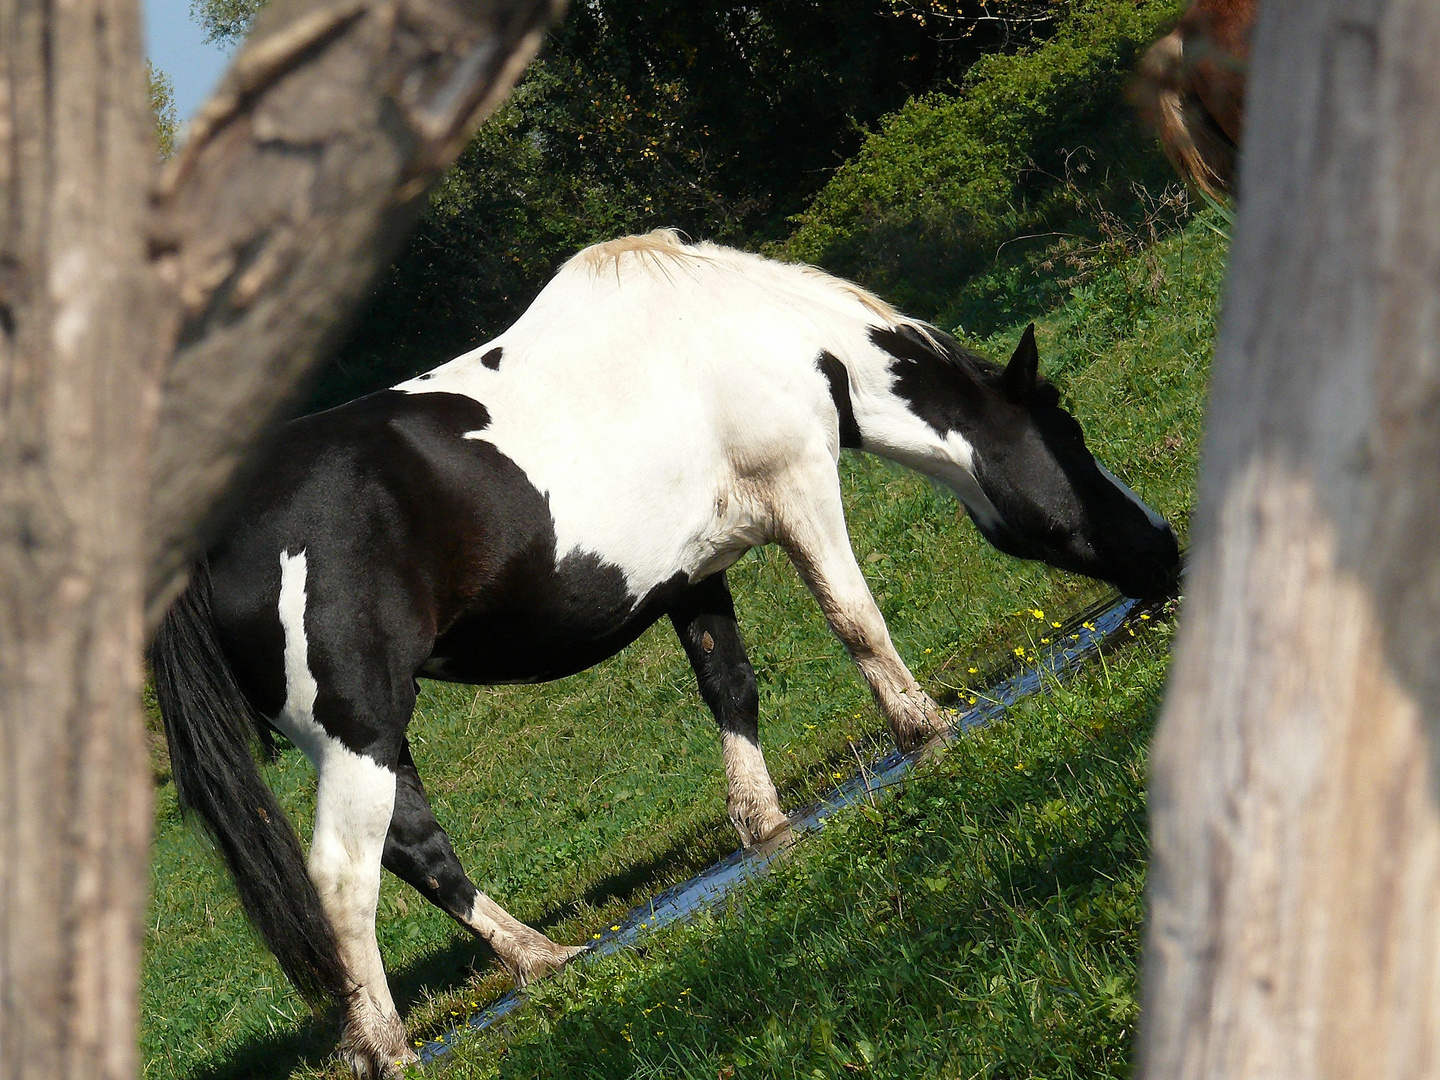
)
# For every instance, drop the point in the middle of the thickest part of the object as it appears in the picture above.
(176, 45)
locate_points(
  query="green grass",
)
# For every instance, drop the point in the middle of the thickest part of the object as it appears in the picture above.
(570, 801)
(984, 923)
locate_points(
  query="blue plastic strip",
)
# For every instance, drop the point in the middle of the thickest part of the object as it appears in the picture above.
(713, 885)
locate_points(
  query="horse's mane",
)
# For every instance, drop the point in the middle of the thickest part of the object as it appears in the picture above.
(657, 252)
(868, 300)
(655, 249)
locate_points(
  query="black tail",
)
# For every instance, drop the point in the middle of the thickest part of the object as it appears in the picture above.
(209, 726)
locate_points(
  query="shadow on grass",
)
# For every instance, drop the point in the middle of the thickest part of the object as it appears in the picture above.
(448, 969)
(278, 1055)
(275, 1056)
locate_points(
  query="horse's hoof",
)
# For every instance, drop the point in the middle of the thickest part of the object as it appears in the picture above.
(920, 721)
(376, 1046)
(538, 959)
(396, 1069)
(780, 837)
(374, 1064)
(759, 828)
(938, 743)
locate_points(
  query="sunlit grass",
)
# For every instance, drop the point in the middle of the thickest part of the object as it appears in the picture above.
(985, 923)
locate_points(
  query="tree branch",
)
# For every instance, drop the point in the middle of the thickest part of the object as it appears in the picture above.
(295, 186)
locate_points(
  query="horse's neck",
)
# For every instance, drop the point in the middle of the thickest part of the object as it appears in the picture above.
(887, 422)
(890, 428)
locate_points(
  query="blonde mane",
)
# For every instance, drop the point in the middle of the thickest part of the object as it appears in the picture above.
(653, 249)
(868, 300)
(660, 248)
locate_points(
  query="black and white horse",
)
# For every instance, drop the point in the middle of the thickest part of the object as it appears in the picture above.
(529, 508)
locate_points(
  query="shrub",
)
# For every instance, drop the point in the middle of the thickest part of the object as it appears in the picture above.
(954, 200)
(718, 118)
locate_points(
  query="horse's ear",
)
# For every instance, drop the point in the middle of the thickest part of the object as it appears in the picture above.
(1023, 371)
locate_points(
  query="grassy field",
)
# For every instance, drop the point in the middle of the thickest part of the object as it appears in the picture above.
(1013, 870)
(985, 923)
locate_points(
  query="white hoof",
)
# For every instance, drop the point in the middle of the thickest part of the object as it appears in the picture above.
(916, 720)
(376, 1047)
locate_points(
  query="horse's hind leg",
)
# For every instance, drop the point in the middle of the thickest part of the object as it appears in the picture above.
(349, 718)
(814, 534)
(704, 619)
(353, 806)
(418, 852)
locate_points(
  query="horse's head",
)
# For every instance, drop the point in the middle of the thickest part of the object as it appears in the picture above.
(1032, 487)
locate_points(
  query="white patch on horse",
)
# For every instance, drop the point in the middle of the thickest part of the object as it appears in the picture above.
(354, 802)
(815, 537)
(300, 686)
(655, 393)
(526, 953)
(751, 801)
(894, 432)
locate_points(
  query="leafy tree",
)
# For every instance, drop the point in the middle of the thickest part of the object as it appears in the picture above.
(225, 21)
(717, 118)
(162, 104)
(730, 121)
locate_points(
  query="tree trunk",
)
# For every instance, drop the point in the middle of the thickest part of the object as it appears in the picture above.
(1295, 885)
(77, 344)
(148, 338)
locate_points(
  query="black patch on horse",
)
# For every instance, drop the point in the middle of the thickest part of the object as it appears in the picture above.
(1053, 502)
(839, 379)
(944, 383)
(492, 358)
(426, 551)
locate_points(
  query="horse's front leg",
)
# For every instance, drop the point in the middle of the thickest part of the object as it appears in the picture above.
(704, 619)
(418, 851)
(353, 807)
(813, 533)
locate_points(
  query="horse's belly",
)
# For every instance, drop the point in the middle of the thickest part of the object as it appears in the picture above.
(550, 626)
(497, 653)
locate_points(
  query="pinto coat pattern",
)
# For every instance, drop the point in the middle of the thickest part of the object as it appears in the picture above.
(530, 508)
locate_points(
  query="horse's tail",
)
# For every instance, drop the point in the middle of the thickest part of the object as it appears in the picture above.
(209, 726)
(1192, 139)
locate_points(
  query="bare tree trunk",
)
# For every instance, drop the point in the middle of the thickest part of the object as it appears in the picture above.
(1295, 885)
(77, 342)
(182, 321)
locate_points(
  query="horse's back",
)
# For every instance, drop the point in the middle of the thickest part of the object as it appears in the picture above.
(655, 406)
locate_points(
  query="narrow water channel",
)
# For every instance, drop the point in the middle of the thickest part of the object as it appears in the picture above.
(1079, 640)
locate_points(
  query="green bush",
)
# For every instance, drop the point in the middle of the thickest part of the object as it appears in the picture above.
(717, 118)
(953, 203)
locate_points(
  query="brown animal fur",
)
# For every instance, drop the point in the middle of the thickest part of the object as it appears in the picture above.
(1190, 89)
